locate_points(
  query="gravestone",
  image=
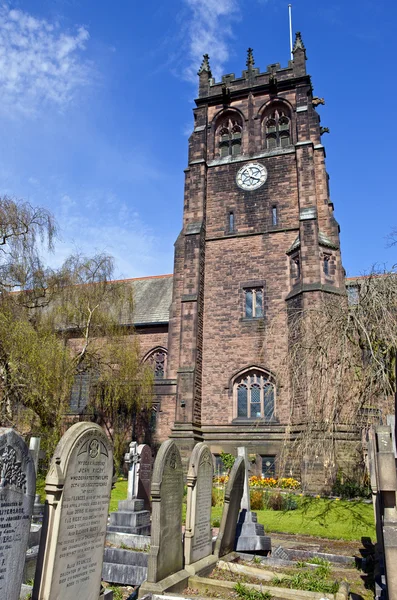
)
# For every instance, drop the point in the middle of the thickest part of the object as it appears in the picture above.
(78, 488)
(250, 535)
(17, 491)
(131, 516)
(144, 475)
(233, 494)
(34, 449)
(384, 494)
(198, 531)
(166, 550)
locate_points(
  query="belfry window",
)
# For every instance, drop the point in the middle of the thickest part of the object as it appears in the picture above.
(326, 260)
(254, 395)
(229, 137)
(277, 127)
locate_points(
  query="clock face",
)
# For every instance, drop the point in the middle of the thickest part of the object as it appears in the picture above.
(251, 176)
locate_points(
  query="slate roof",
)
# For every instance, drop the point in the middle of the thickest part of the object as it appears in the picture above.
(152, 300)
(323, 240)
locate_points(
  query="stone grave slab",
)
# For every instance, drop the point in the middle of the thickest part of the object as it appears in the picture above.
(78, 488)
(234, 491)
(166, 550)
(17, 492)
(198, 531)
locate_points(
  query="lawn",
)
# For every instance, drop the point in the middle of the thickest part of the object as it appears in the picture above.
(320, 517)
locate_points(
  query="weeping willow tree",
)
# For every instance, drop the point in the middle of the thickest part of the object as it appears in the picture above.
(341, 367)
(93, 314)
(58, 323)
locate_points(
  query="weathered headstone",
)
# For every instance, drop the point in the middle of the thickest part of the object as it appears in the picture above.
(144, 474)
(384, 493)
(198, 531)
(78, 488)
(250, 535)
(166, 551)
(17, 490)
(233, 494)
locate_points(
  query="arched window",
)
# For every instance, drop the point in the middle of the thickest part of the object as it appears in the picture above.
(277, 128)
(157, 358)
(254, 394)
(228, 134)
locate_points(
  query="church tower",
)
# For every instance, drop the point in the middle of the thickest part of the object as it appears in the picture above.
(259, 237)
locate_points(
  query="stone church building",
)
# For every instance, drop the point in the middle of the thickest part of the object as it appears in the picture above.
(259, 238)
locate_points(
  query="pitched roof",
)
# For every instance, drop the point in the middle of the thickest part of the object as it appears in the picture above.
(152, 300)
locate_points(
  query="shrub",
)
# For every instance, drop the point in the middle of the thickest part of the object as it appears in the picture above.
(216, 523)
(217, 497)
(256, 500)
(290, 502)
(346, 487)
(275, 501)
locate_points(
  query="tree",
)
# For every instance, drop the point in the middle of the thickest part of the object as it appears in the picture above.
(341, 367)
(56, 324)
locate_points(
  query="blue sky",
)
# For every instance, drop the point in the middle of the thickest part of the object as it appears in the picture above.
(96, 106)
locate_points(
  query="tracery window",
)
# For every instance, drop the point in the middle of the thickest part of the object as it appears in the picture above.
(254, 395)
(158, 359)
(229, 137)
(277, 126)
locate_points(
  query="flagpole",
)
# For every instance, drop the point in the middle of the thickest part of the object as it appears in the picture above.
(290, 29)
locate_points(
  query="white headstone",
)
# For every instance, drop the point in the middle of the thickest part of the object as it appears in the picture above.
(78, 488)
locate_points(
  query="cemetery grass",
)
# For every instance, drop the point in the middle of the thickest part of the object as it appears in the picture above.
(319, 517)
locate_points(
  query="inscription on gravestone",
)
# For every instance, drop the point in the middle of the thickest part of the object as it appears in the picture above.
(78, 488)
(198, 533)
(17, 490)
(166, 553)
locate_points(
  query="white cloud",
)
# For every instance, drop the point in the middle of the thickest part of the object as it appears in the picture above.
(39, 63)
(210, 31)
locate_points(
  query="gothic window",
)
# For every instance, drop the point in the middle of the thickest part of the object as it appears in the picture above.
(277, 128)
(158, 360)
(83, 385)
(229, 137)
(254, 396)
(253, 302)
